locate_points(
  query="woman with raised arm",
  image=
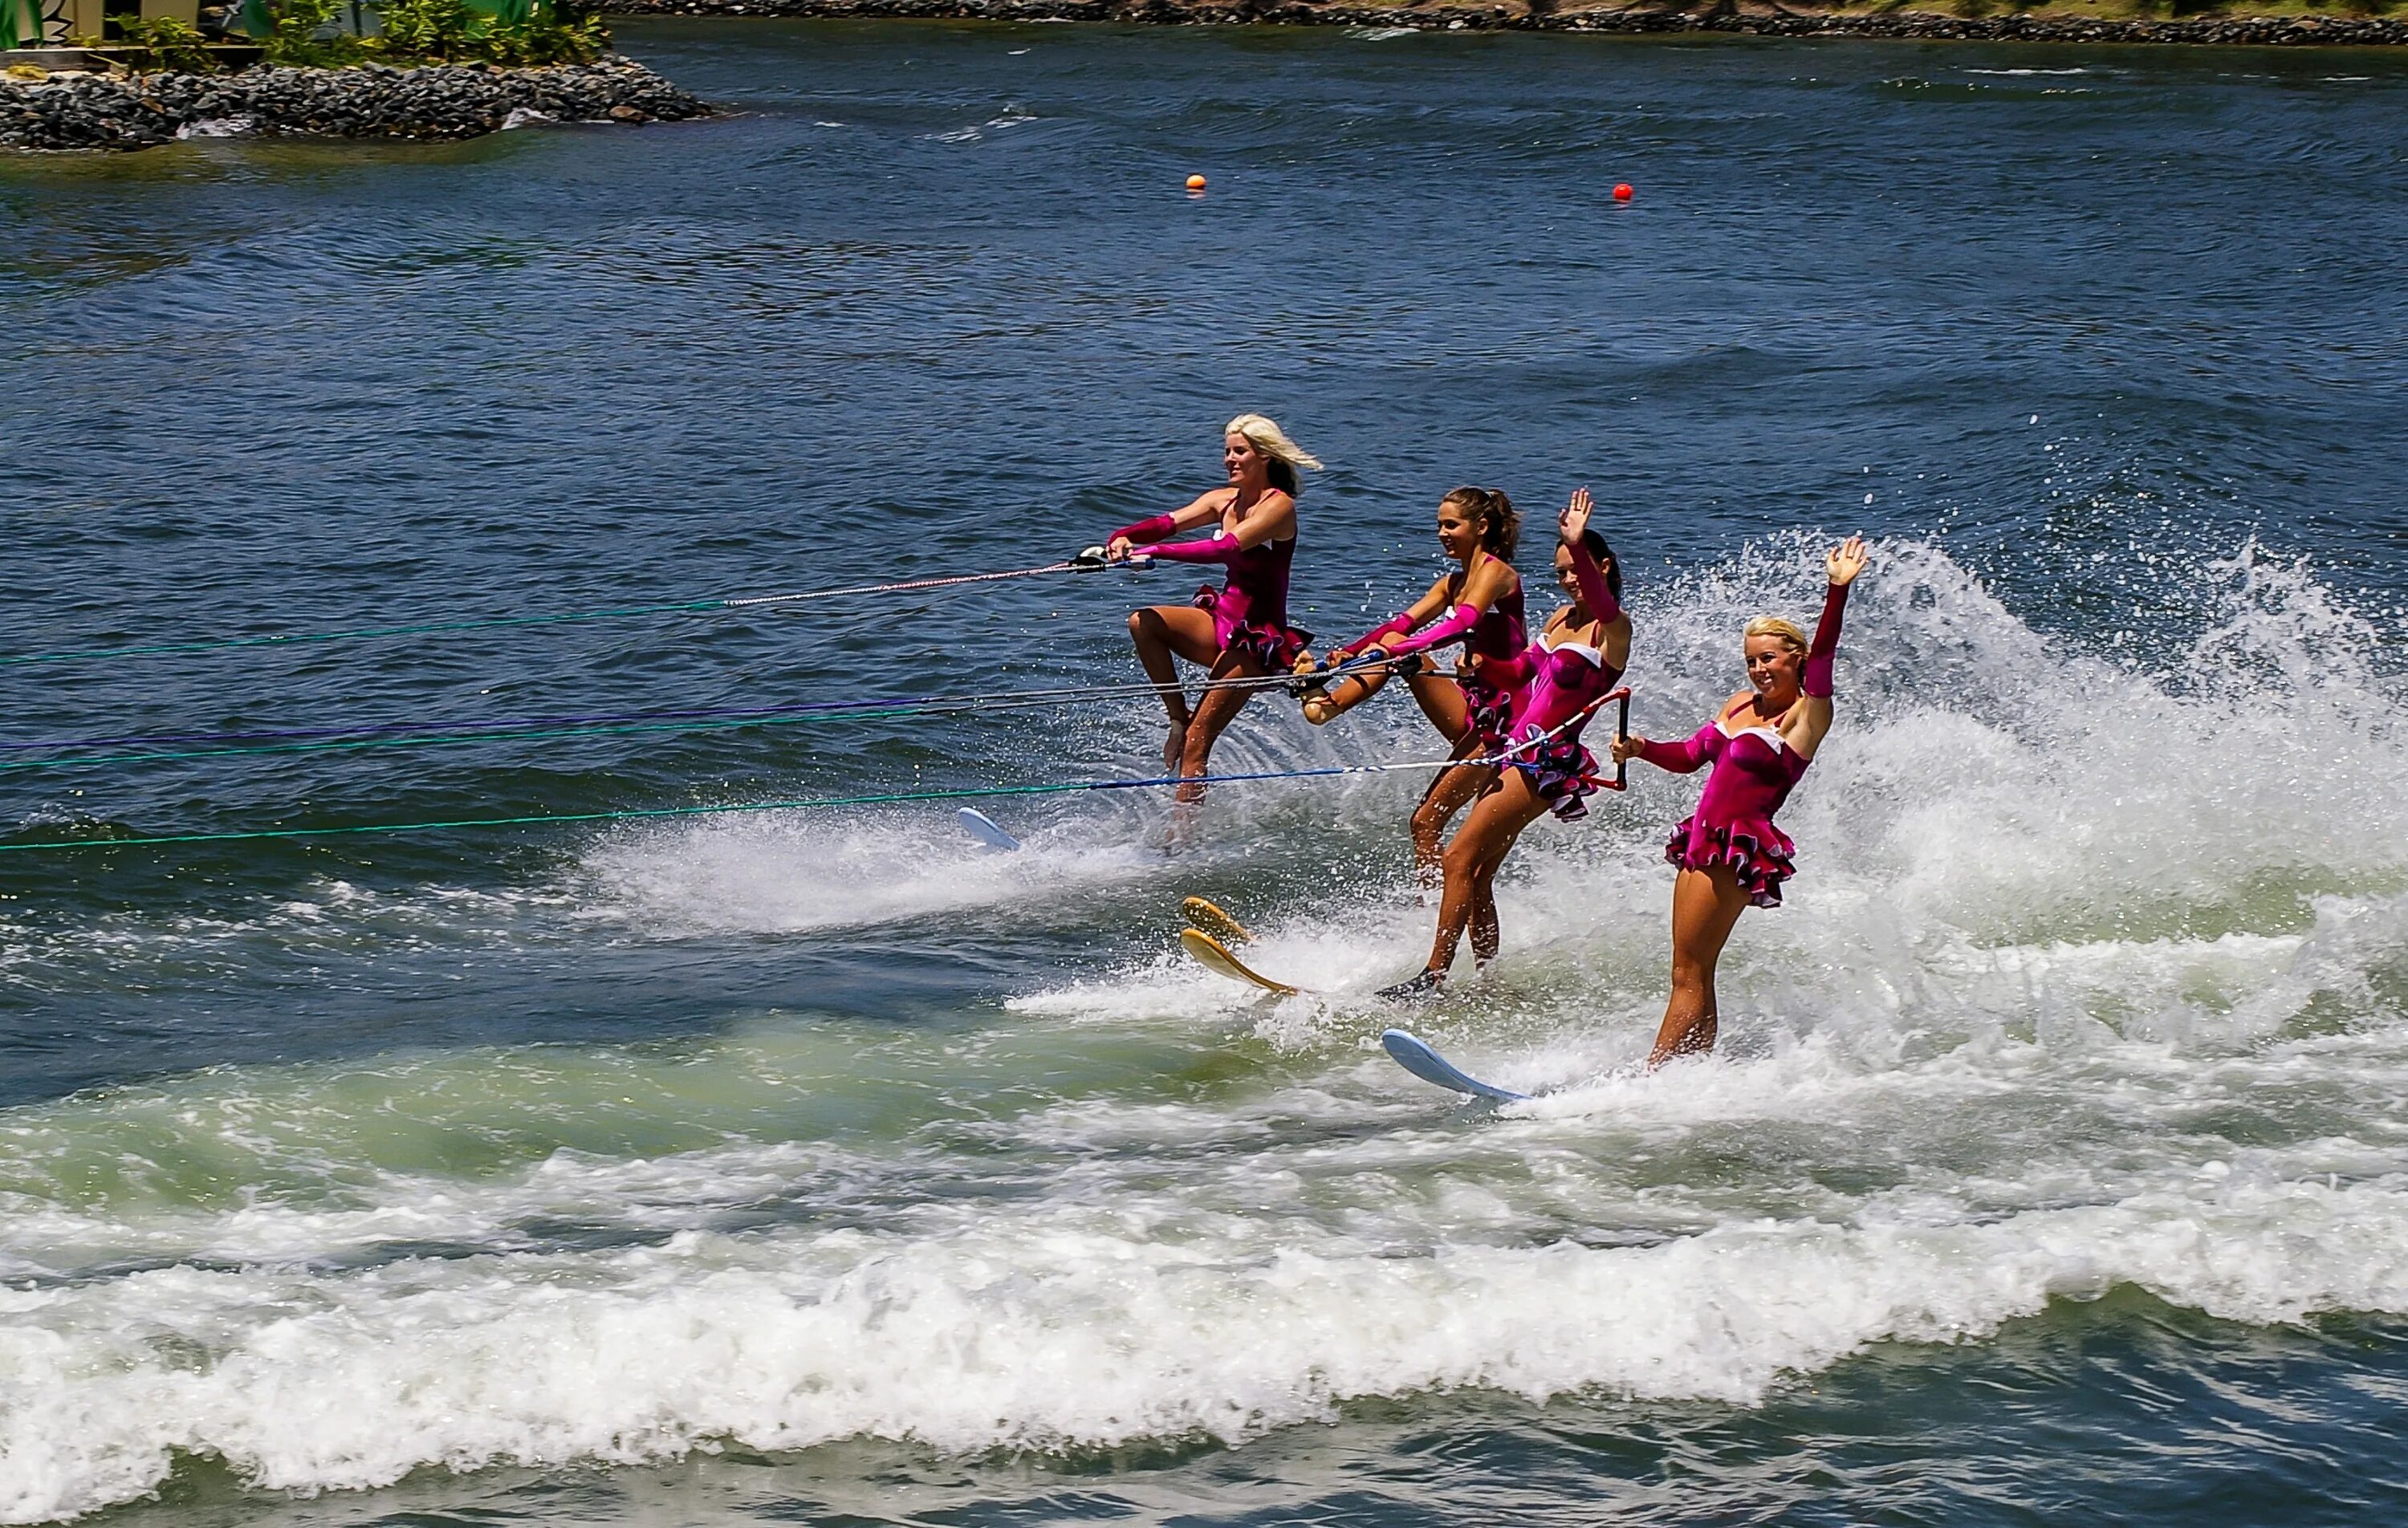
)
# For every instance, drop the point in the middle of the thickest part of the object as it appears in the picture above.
(1479, 604)
(1240, 630)
(1580, 653)
(1730, 853)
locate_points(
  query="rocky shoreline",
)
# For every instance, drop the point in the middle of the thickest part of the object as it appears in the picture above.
(1759, 19)
(369, 101)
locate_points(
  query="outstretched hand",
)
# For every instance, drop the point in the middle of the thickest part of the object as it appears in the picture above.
(1117, 549)
(1575, 520)
(1845, 562)
(1626, 748)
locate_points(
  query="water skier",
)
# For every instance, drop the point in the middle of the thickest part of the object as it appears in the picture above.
(1480, 604)
(1730, 854)
(1574, 664)
(1240, 630)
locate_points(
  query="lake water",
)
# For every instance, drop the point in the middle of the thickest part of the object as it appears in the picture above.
(819, 1166)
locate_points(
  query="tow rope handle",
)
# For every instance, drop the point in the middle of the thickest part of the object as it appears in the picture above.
(1621, 781)
(1095, 560)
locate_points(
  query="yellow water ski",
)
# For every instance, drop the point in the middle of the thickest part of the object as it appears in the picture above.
(1203, 915)
(1215, 956)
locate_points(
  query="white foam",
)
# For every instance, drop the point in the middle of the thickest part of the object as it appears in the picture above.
(1070, 1326)
(2089, 977)
(787, 872)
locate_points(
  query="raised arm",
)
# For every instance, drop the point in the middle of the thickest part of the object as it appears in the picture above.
(1812, 719)
(1595, 595)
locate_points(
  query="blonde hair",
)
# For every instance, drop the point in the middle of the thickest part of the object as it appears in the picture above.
(1792, 637)
(1272, 441)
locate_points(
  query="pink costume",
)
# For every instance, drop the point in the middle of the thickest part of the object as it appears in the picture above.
(1250, 608)
(1496, 635)
(1567, 681)
(1753, 771)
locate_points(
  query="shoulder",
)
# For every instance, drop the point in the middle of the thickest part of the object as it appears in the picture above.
(1492, 571)
(1744, 697)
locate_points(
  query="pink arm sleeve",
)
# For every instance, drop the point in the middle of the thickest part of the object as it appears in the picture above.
(1398, 624)
(1219, 547)
(1683, 758)
(1816, 681)
(1445, 629)
(1594, 592)
(1147, 532)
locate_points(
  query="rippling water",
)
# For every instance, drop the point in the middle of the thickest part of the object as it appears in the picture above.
(821, 1167)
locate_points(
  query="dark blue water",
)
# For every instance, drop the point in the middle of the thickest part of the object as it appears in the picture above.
(817, 1165)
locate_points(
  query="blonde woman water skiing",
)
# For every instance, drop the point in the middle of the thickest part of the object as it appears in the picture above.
(1239, 631)
(1730, 854)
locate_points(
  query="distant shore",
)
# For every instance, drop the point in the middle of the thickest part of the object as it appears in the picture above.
(2068, 24)
(82, 111)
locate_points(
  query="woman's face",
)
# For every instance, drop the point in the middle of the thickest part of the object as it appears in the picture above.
(1566, 578)
(1458, 534)
(1246, 464)
(1773, 665)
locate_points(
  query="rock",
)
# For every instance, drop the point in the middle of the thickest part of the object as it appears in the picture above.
(377, 100)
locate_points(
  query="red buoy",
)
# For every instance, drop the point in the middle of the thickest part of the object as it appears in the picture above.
(1622, 192)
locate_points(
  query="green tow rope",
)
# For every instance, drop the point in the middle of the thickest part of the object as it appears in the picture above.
(1091, 560)
(578, 817)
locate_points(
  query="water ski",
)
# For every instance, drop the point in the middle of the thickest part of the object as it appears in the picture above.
(1416, 1057)
(986, 831)
(1213, 955)
(1214, 921)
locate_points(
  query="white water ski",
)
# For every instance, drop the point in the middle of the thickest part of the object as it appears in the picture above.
(986, 829)
(1415, 1056)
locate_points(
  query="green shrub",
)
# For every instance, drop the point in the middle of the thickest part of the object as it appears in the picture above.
(292, 34)
(166, 44)
(509, 32)
(439, 29)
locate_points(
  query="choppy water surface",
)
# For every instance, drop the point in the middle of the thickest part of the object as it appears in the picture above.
(820, 1167)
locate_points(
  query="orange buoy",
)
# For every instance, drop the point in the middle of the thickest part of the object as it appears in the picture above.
(1195, 182)
(1622, 191)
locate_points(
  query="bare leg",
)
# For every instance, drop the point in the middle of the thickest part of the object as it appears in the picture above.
(1486, 934)
(1706, 904)
(1346, 695)
(1447, 795)
(1216, 710)
(1159, 632)
(1470, 862)
(1441, 700)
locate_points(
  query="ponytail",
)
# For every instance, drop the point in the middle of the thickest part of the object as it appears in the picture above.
(1500, 523)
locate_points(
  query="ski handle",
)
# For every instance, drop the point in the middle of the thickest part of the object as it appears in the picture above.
(1621, 781)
